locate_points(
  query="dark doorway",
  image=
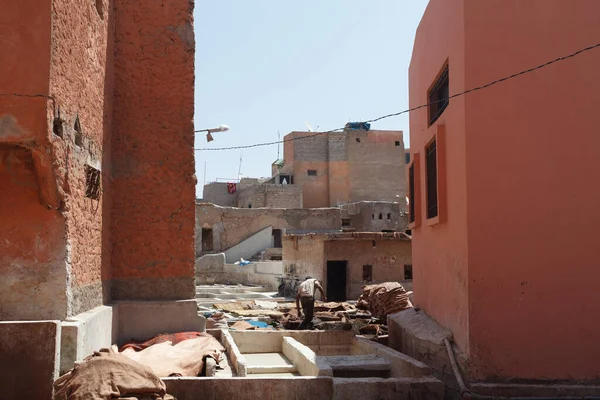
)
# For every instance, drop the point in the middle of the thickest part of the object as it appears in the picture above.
(277, 238)
(207, 239)
(336, 280)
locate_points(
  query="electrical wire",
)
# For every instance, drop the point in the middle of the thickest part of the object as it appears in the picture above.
(487, 85)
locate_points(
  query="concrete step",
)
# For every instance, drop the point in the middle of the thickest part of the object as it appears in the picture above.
(268, 363)
(364, 366)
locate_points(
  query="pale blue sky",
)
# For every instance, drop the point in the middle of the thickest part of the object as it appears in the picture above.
(264, 66)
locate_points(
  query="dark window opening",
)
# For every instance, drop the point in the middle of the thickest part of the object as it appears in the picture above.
(336, 280)
(372, 216)
(397, 143)
(57, 127)
(249, 205)
(408, 271)
(92, 183)
(277, 238)
(367, 275)
(357, 140)
(389, 217)
(287, 178)
(78, 132)
(431, 173)
(388, 231)
(408, 232)
(207, 239)
(345, 222)
(407, 158)
(438, 96)
(380, 216)
(312, 172)
(411, 195)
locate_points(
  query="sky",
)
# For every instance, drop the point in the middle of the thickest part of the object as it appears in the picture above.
(269, 66)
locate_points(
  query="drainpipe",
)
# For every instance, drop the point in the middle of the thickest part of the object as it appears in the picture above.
(466, 394)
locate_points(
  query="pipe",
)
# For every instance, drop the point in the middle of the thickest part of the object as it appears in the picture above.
(466, 394)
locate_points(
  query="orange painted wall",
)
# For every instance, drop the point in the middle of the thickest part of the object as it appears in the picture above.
(520, 172)
(440, 251)
(315, 189)
(532, 153)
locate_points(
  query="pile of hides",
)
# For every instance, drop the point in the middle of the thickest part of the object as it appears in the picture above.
(216, 321)
(384, 299)
(179, 354)
(106, 375)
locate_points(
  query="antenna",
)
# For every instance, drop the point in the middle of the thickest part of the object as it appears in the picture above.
(310, 129)
(240, 168)
(278, 144)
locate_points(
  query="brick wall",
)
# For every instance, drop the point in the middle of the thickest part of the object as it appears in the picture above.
(217, 193)
(350, 166)
(377, 169)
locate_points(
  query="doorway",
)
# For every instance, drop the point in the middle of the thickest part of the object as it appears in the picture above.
(336, 280)
(277, 238)
(207, 239)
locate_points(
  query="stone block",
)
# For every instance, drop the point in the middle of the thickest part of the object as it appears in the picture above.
(29, 358)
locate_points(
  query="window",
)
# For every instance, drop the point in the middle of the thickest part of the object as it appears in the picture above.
(407, 158)
(438, 96)
(92, 183)
(432, 181)
(367, 275)
(346, 222)
(389, 216)
(357, 140)
(250, 205)
(372, 216)
(380, 216)
(397, 143)
(408, 271)
(312, 172)
(207, 239)
(411, 189)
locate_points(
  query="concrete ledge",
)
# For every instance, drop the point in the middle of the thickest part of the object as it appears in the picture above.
(251, 388)
(85, 333)
(549, 389)
(271, 341)
(236, 359)
(29, 358)
(403, 366)
(141, 320)
(388, 389)
(305, 360)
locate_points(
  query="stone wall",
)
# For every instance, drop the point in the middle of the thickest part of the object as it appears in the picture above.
(373, 216)
(230, 226)
(153, 158)
(216, 193)
(270, 195)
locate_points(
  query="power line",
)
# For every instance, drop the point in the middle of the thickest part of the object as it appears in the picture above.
(506, 78)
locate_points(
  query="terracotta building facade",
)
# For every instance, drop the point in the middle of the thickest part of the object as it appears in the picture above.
(96, 155)
(503, 218)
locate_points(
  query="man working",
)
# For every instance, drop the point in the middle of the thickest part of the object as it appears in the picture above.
(306, 296)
